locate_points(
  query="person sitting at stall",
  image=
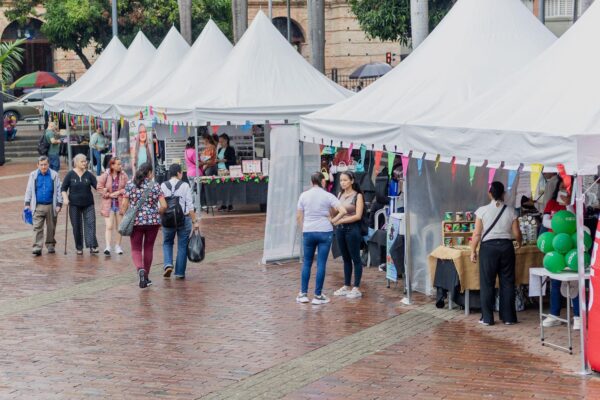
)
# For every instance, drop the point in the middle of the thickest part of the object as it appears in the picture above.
(208, 157)
(495, 227)
(560, 200)
(225, 159)
(10, 128)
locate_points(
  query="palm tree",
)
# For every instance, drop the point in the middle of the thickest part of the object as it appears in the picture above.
(11, 58)
(419, 19)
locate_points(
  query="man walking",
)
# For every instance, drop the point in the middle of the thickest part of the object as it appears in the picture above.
(44, 199)
(54, 150)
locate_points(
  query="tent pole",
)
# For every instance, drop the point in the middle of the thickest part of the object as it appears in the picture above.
(197, 172)
(69, 152)
(585, 370)
(90, 166)
(407, 253)
(301, 184)
(270, 9)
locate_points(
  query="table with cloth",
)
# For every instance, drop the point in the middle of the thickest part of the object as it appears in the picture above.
(234, 192)
(451, 268)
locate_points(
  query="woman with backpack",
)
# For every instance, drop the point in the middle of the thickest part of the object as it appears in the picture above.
(179, 219)
(111, 185)
(145, 195)
(348, 233)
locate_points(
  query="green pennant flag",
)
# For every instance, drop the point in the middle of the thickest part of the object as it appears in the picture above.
(391, 157)
(472, 169)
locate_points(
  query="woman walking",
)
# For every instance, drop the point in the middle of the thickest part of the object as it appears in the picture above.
(348, 234)
(178, 193)
(190, 156)
(77, 194)
(314, 215)
(146, 193)
(225, 159)
(495, 227)
(112, 187)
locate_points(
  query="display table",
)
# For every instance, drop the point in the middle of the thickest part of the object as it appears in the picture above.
(468, 272)
(544, 275)
(234, 193)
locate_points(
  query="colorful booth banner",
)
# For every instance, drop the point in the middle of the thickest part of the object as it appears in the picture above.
(391, 157)
(536, 174)
(378, 155)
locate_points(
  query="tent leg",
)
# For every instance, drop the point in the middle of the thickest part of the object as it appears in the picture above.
(585, 370)
(197, 181)
(69, 152)
(407, 254)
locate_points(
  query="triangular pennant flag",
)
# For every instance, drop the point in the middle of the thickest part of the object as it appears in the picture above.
(175, 129)
(349, 160)
(453, 168)
(536, 174)
(472, 170)
(491, 174)
(378, 155)
(565, 178)
(170, 129)
(391, 157)
(151, 111)
(420, 165)
(405, 161)
(215, 129)
(437, 162)
(512, 175)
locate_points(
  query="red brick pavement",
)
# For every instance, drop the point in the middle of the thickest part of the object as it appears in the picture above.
(232, 319)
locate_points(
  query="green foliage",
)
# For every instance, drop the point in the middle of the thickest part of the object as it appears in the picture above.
(390, 19)
(11, 58)
(77, 24)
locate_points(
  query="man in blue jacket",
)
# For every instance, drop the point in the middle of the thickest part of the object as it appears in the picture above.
(44, 199)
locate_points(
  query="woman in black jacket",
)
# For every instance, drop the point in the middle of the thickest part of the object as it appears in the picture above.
(77, 193)
(225, 159)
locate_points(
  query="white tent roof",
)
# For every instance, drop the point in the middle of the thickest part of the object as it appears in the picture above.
(548, 113)
(477, 43)
(265, 78)
(167, 58)
(96, 99)
(194, 73)
(97, 73)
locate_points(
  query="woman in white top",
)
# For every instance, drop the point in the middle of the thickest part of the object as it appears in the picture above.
(495, 227)
(314, 215)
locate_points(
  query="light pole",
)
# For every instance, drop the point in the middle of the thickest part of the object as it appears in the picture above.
(115, 29)
(289, 22)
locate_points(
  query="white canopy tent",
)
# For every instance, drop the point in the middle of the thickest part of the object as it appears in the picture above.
(97, 74)
(263, 79)
(92, 101)
(190, 78)
(477, 43)
(167, 58)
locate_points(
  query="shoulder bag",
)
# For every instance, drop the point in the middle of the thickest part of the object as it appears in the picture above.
(128, 221)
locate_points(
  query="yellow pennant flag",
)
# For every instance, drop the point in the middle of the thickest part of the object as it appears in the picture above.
(536, 174)
(437, 162)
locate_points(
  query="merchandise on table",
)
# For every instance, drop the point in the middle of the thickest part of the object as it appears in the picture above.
(458, 228)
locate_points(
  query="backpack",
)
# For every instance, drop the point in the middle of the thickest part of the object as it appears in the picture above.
(174, 216)
(43, 145)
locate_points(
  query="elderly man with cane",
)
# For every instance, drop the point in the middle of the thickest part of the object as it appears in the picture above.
(43, 198)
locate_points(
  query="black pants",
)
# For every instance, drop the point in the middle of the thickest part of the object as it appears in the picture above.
(83, 219)
(497, 258)
(349, 240)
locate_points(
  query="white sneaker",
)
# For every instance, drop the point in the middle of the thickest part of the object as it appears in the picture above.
(118, 249)
(343, 291)
(107, 251)
(355, 293)
(550, 321)
(322, 299)
(302, 298)
(576, 323)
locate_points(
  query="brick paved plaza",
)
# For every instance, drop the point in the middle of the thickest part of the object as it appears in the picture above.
(78, 327)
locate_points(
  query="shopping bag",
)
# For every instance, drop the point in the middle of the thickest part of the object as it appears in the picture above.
(196, 247)
(27, 216)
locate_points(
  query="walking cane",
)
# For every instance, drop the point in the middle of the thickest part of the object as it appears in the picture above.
(66, 228)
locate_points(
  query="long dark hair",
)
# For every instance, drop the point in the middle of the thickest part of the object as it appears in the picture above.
(210, 139)
(226, 137)
(557, 189)
(141, 174)
(352, 177)
(191, 142)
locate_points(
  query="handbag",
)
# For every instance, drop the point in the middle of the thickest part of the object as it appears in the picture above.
(342, 167)
(128, 221)
(196, 248)
(325, 174)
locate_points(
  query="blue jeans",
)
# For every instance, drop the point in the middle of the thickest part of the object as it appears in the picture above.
(54, 161)
(98, 156)
(349, 241)
(556, 299)
(183, 235)
(320, 241)
(10, 134)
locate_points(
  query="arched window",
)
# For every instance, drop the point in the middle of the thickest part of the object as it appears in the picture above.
(297, 34)
(38, 52)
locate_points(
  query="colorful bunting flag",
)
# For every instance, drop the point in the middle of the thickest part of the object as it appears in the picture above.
(420, 165)
(405, 161)
(391, 156)
(472, 169)
(567, 180)
(215, 129)
(512, 175)
(453, 168)
(536, 174)
(491, 174)
(437, 162)
(378, 155)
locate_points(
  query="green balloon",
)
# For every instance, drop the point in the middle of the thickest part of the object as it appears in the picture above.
(544, 242)
(554, 262)
(564, 222)
(562, 243)
(572, 259)
(587, 240)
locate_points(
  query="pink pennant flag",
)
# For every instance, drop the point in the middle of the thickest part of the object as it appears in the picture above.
(491, 173)
(215, 129)
(405, 161)
(175, 129)
(151, 111)
(350, 153)
(453, 168)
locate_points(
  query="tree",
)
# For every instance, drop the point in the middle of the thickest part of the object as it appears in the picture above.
(11, 58)
(78, 24)
(419, 21)
(390, 19)
(185, 19)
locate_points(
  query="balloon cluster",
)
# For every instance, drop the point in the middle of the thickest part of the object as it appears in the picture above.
(560, 246)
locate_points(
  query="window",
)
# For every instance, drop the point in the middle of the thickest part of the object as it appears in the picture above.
(560, 8)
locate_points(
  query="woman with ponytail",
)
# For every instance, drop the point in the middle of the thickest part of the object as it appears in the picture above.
(147, 220)
(348, 234)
